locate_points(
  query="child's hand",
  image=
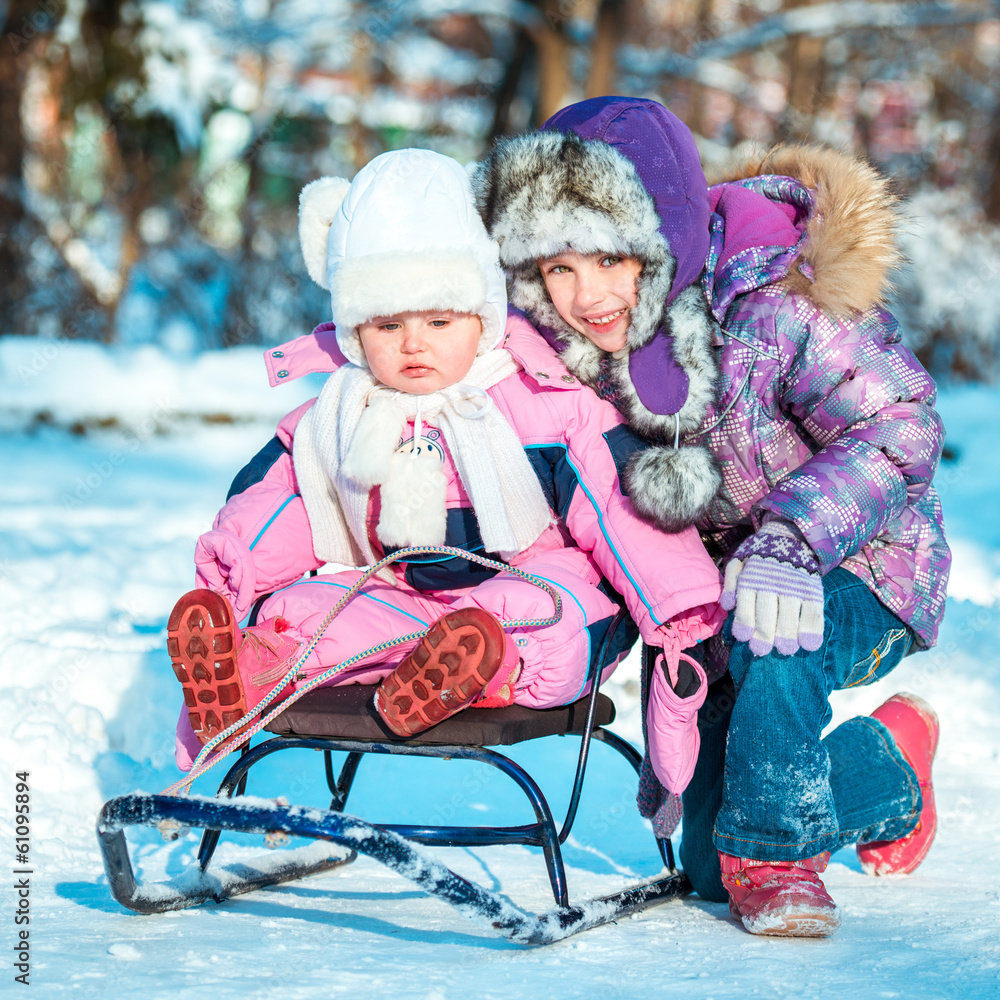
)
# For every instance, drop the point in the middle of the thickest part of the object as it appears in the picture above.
(224, 564)
(773, 582)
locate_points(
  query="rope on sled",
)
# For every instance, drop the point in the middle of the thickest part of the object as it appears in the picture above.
(244, 729)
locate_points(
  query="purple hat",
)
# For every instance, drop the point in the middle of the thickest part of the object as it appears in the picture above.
(622, 176)
(662, 150)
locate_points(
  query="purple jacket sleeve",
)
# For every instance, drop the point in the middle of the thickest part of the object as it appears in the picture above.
(868, 404)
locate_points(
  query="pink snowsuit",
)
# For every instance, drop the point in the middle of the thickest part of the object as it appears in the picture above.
(596, 552)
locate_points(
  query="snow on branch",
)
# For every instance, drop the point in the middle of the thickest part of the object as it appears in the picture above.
(817, 21)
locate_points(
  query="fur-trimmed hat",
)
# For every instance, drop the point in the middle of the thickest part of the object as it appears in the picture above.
(403, 236)
(620, 175)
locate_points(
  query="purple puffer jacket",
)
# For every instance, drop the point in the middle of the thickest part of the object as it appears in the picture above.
(826, 422)
(780, 369)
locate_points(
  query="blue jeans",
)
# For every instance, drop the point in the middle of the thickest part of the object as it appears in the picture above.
(766, 786)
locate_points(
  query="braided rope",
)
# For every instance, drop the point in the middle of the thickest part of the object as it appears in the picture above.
(245, 728)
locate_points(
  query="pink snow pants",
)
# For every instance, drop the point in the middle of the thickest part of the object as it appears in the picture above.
(554, 659)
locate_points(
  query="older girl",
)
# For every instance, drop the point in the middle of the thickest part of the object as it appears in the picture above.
(740, 329)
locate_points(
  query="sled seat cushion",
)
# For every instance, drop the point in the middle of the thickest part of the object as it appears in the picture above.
(347, 712)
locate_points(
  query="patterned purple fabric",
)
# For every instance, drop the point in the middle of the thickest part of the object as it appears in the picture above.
(828, 424)
(781, 548)
(656, 803)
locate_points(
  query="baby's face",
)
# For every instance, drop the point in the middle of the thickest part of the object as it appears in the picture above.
(421, 352)
(594, 293)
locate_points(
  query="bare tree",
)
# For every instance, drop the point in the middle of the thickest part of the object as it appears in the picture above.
(805, 81)
(21, 38)
(606, 39)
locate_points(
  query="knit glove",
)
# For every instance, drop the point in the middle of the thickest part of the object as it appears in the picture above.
(773, 582)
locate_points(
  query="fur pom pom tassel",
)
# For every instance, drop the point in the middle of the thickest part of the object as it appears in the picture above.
(369, 458)
(413, 498)
(319, 202)
(672, 487)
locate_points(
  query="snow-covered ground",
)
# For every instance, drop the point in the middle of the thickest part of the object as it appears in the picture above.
(112, 463)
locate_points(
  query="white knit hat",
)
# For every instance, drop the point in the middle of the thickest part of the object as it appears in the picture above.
(403, 236)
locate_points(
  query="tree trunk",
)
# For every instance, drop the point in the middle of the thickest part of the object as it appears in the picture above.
(607, 33)
(503, 99)
(991, 202)
(17, 50)
(805, 82)
(553, 62)
(361, 70)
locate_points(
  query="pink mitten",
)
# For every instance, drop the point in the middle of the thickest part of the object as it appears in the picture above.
(677, 690)
(225, 565)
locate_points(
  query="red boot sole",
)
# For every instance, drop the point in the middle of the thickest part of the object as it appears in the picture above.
(445, 673)
(201, 642)
(794, 922)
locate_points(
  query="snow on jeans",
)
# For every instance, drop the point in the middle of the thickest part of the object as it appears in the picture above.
(779, 791)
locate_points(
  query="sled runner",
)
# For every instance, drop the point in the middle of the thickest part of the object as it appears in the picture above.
(341, 719)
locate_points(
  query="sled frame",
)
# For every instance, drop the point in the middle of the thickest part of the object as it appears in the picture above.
(394, 845)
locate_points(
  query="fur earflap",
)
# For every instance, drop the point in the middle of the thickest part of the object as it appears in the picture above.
(689, 322)
(672, 487)
(318, 204)
(853, 243)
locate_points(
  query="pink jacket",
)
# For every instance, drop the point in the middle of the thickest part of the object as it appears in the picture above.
(261, 540)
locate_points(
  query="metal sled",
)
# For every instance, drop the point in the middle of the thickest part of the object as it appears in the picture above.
(342, 719)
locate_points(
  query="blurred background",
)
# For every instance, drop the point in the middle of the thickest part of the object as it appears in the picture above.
(152, 152)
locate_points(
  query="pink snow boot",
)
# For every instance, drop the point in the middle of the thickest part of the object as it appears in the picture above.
(780, 898)
(915, 728)
(225, 673)
(465, 657)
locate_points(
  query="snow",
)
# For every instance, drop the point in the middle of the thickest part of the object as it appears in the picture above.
(115, 460)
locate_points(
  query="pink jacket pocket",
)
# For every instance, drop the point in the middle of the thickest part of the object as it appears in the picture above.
(676, 691)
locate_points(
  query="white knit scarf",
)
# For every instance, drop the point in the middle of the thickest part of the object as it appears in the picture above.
(347, 442)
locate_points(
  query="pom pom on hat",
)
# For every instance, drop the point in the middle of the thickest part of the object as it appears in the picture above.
(319, 203)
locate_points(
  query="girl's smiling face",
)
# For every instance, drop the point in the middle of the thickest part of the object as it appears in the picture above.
(421, 352)
(594, 293)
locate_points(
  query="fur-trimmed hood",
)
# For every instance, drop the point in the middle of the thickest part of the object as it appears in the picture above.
(843, 215)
